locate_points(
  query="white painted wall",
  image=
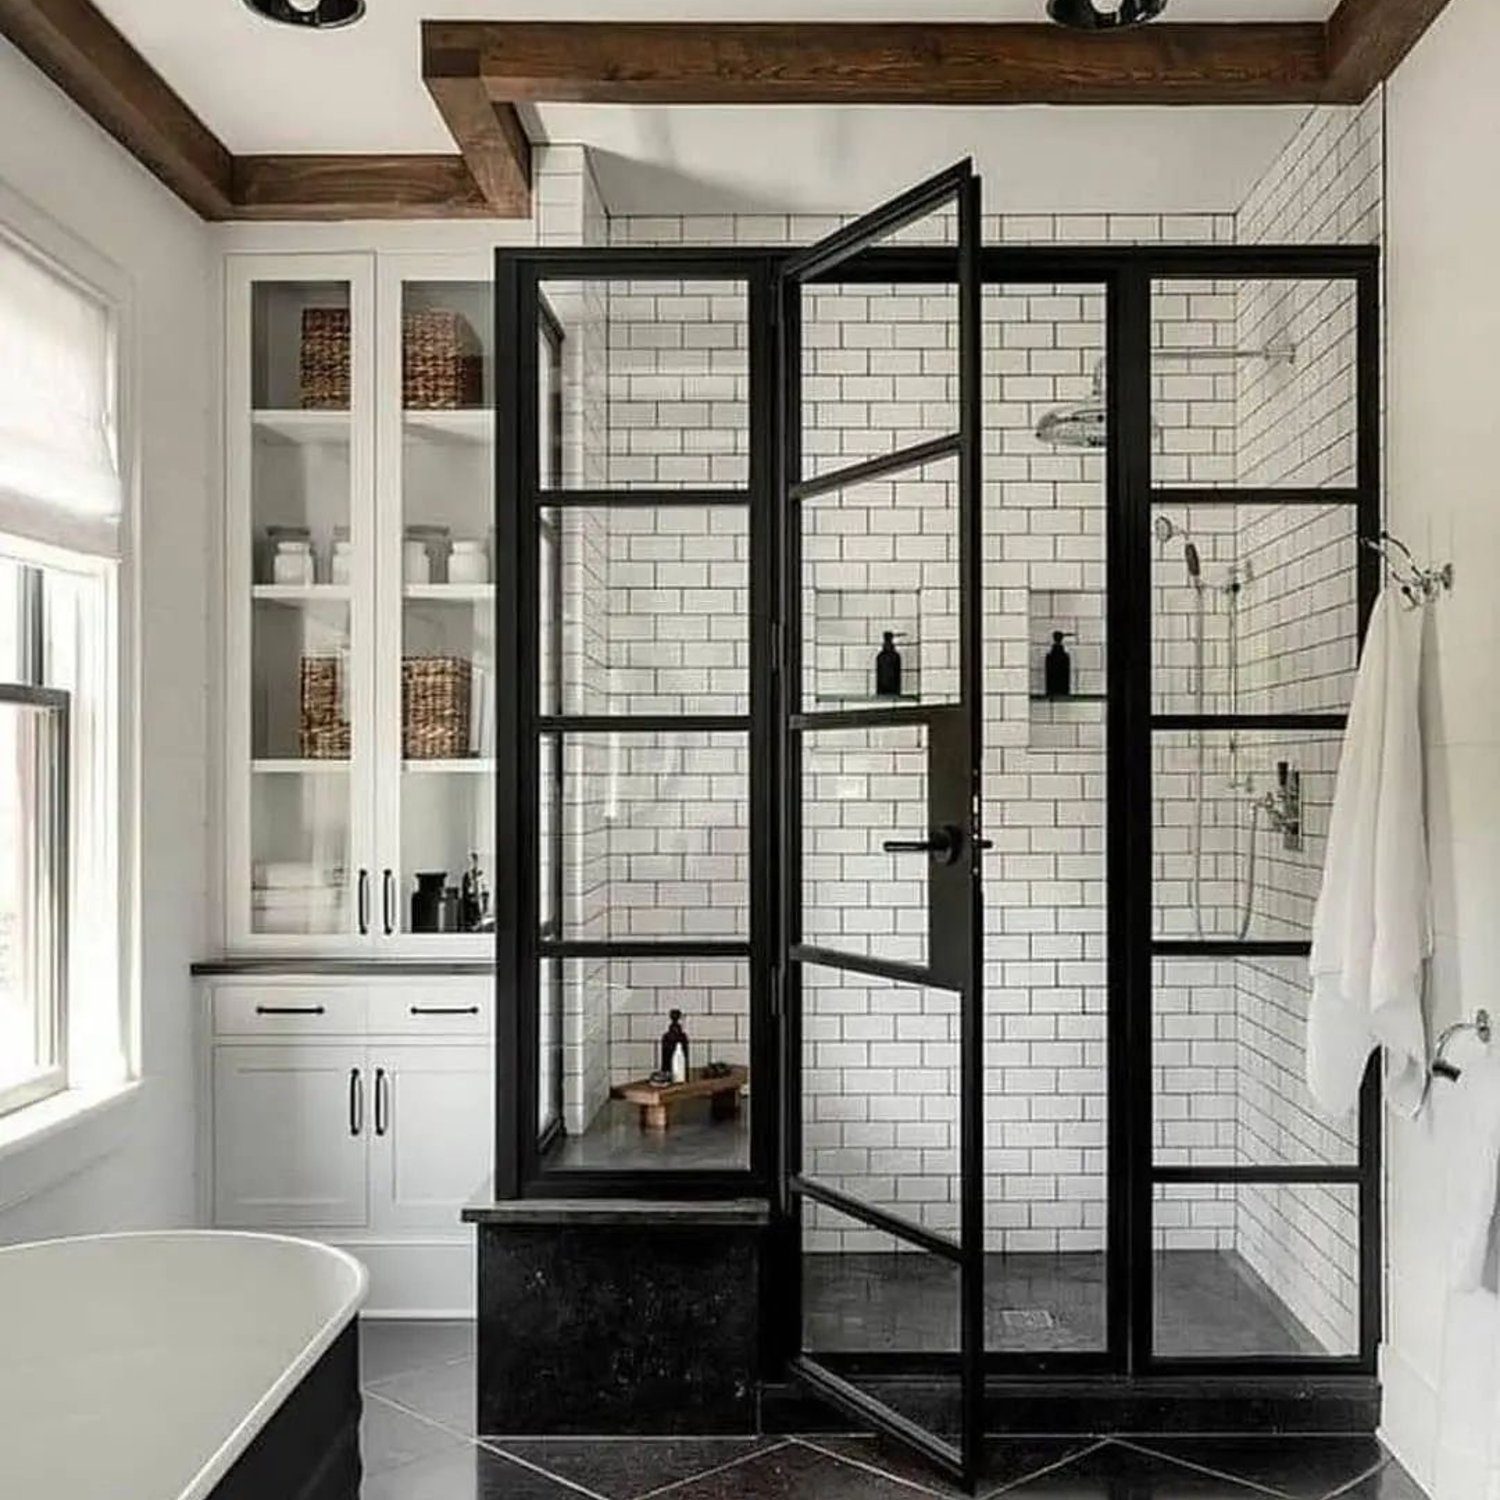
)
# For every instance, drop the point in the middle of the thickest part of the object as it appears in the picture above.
(1442, 1404)
(52, 155)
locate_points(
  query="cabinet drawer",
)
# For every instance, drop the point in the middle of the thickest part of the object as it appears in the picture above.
(288, 1010)
(432, 1009)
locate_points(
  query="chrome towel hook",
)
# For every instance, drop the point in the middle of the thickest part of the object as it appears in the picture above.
(1419, 585)
(1480, 1026)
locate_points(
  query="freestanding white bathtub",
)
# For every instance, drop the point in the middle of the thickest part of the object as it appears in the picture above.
(151, 1366)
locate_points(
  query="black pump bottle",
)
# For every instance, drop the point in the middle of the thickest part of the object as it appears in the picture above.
(1057, 669)
(888, 668)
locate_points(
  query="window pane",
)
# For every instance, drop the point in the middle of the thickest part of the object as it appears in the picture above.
(32, 875)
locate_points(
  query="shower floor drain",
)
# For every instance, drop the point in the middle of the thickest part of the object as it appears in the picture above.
(1027, 1319)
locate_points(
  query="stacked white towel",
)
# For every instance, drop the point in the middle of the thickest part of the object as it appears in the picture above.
(1372, 932)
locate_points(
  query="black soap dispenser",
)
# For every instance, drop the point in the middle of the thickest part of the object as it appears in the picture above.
(1057, 669)
(888, 668)
(674, 1050)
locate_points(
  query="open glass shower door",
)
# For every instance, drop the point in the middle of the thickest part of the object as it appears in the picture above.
(881, 950)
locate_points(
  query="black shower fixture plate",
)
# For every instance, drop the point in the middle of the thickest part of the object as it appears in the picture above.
(1086, 15)
(316, 15)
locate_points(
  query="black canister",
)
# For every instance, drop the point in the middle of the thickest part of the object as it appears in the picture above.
(427, 901)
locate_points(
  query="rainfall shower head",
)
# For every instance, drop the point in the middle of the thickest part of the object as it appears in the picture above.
(1082, 424)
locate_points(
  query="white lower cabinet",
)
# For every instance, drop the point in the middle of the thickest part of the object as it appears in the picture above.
(434, 1133)
(289, 1145)
(360, 1113)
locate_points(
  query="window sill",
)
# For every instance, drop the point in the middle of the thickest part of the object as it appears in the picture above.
(44, 1143)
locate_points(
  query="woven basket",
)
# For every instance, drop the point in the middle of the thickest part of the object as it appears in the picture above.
(436, 693)
(324, 729)
(442, 363)
(325, 358)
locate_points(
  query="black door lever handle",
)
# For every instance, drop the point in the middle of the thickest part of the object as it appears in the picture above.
(943, 844)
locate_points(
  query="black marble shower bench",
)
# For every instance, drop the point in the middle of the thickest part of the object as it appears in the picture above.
(619, 1316)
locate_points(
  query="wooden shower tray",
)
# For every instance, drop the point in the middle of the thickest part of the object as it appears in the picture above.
(656, 1100)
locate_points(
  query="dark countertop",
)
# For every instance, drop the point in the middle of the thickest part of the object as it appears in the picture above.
(564, 1211)
(373, 967)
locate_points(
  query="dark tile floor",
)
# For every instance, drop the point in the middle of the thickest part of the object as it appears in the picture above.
(419, 1444)
(1209, 1302)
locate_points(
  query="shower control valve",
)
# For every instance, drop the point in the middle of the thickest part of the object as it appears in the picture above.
(1283, 806)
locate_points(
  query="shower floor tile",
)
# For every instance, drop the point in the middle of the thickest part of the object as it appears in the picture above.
(1211, 1303)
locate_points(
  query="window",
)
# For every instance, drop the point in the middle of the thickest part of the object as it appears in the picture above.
(62, 974)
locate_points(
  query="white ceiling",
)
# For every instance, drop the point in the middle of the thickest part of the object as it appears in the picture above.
(266, 88)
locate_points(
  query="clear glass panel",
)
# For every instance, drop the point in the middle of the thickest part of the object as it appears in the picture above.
(655, 837)
(300, 685)
(861, 787)
(604, 1026)
(302, 724)
(1254, 609)
(1256, 1269)
(301, 881)
(880, 1094)
(1238, 852)
(877, 558)
(879, 370)
(448, 431)
(655, 384)
(649, 609)
(866, 1292)
(1046, 998)
(1254, 383)
(300, 459)
(32, 897)
(1229, 1067)
(551, 1057)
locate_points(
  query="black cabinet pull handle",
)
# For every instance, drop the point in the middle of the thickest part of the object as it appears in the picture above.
(289, 1010)
(382, 1101)
(388, 903)
(356, 1102)
(445, 1010)
(364, 902)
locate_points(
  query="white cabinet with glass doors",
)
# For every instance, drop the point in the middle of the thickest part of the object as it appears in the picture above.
(359, 687)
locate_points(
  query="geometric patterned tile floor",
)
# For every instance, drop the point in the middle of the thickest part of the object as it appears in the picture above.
(419, 1444)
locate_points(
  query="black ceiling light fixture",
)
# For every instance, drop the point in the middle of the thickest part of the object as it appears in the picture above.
(1090, 15)
(317, 15)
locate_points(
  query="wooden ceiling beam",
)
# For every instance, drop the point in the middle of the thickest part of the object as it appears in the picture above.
(869, 63)
(488, 132)
(356, 187)
(93, 64)
(1369, 39)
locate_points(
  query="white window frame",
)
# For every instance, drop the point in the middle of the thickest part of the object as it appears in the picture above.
(104, 1017)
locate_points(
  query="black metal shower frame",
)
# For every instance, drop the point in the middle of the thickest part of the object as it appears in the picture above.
(1126, 274)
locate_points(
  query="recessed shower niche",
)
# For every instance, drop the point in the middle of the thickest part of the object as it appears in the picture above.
(1067, 630)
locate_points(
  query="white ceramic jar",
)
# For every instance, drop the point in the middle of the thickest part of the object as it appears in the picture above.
(341, 564)
(467, 563)
(416, 562)
(293, 563)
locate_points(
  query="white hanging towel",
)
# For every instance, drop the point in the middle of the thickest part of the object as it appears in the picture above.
(1372, 931)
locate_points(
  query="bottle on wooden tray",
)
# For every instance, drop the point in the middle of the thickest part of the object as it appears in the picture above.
(674, 1050)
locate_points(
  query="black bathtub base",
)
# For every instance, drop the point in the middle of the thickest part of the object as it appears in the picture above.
(309, 1450)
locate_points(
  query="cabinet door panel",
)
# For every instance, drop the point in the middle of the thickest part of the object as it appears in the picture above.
(434, 1140)
(291, 1126)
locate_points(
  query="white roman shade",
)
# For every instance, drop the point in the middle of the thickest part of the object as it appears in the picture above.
(59, 451)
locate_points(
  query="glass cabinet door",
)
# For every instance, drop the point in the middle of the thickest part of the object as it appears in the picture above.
(437, 617)
(299, 476)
